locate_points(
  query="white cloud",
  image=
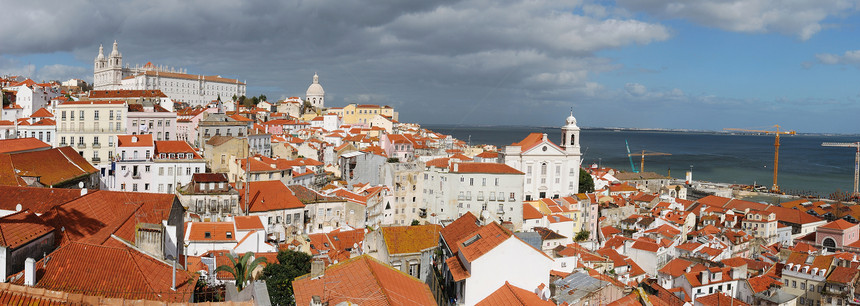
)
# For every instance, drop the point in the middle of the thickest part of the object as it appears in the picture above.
(635, 89)
(849, 58)
(802, 19)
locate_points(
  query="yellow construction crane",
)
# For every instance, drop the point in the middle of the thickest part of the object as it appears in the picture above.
(643, 154)
(855, 145)
(775, 150)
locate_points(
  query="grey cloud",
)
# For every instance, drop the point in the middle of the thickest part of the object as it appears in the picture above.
(802, 19)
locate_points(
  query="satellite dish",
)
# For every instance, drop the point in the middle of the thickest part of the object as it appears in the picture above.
(80, 185)
(18, 207)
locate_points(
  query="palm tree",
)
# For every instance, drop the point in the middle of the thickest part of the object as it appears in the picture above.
(241, 269)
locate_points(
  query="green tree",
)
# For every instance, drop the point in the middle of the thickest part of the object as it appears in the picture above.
(279, 277)
(415, 222)
(6, 100)
(581, 236)
(263, 98)
(586, 183)
(393, 160)
(234, 98)
(241, 269)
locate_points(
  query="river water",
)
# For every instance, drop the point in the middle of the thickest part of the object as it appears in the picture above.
(804, 165)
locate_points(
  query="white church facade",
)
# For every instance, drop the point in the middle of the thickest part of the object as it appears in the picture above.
(551, 170)
(179, 86)
(315, 94)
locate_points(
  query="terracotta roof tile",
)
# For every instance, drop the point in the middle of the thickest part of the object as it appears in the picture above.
(530, 212)
(22, 144)
(458, 229)
(269, 196)
(719, 299)
(118, 272)
(482, 241)
(248, 223)
(839, 225)
(54, 167)
(20, 228)
(144, 140)
(493, 168)
(365, 281)
(211, 232)
(36, 199)
(510, 295)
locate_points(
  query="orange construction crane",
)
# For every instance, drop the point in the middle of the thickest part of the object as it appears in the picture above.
(775, 149)
(643, 154)
(855, 145)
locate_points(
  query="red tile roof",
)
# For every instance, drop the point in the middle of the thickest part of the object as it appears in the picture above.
(117, 272)
(100, 214)
(458, 229)
(22, 144)
(411, 239)
(269, 196)
(248, 223)
(126, 93)
(646, 246)
(211, 232)
(510, 295)
(20, 228)
(493, 168)
(530, 212)
(676, 267)
(174, 146)
(482, 241)
(36, 199)
(363, 280)
(719, 299)
(144, 140)
(531, 141)
(54, 167)
(843, 275)
(839, 225)
(42, 113)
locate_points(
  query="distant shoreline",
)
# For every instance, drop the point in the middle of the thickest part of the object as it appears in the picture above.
(626, 129)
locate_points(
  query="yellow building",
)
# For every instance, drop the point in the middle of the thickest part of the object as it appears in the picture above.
(90, 127)
(363, 113)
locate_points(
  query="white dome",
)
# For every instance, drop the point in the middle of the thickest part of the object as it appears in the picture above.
(115, 51)
(315, 89)
(101, 56)
(570, 119)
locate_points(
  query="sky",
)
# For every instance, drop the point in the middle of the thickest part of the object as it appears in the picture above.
(679, 64)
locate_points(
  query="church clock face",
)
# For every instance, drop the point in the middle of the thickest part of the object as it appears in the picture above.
(544, 148)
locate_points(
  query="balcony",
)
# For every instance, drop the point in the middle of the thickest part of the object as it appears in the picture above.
(97, 160)
(97, 145)
(135, 175)
(82, 146)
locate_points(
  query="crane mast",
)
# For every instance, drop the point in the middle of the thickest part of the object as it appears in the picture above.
(775, 150)
(856, 146)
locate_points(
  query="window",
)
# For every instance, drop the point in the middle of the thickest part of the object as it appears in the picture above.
(207, 235)
(484, 182)
(96, 115)
(471, 181)
(188, 171)
(146, 186)
(110, 115)
(134, 187)
(82, 115)
(543, 169)
(146, 169)
(160, 187)
(64, 115)
(803, 286)
(513, 197)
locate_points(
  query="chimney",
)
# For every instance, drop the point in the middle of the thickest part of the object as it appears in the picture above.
(316, 301)
(30, 272)
(317, 269)
(704, 277)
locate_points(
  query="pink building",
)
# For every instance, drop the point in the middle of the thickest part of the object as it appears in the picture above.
(837, 234)
(397, 145)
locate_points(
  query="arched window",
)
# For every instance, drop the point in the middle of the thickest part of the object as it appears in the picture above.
(543, 169)
(572, 139)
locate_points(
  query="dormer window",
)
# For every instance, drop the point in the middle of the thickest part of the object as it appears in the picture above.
(229, 235)
(207, 235)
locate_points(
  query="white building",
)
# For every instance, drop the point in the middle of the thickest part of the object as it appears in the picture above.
(489, 190)
(145, 165)
(175, 83)
(487, 258)
(550, 170)
(315, 94)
